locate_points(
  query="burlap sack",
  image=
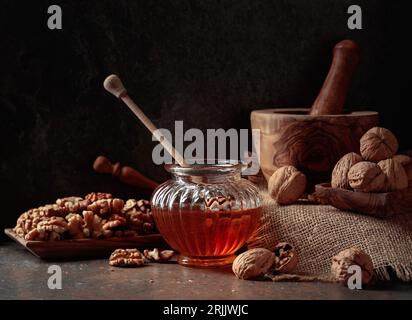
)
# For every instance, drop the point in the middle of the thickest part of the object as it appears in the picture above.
(319, 232)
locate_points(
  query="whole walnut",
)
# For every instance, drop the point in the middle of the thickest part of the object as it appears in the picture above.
(402, 159)
(348, 257)
(396, 178)
(253, 263)
(287, 185)
(366, 177)
(408, 169)
(406, 161)
(378, 144)
(341, 170)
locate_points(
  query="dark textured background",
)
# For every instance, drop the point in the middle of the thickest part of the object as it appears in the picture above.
(208, 63)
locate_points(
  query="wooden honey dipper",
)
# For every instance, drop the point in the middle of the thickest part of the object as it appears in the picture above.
(114, 85)
(125, 174)
(332, 96)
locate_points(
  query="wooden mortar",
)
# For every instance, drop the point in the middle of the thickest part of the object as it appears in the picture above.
(314, 139)
(313, 144)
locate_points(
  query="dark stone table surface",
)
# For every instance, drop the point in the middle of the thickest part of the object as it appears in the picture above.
(24, 276)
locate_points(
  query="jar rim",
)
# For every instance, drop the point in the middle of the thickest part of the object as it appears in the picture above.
(207, 167)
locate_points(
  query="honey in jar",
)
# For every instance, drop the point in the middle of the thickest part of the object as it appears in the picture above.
(206, 212)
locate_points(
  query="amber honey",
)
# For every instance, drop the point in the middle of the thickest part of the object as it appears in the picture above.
(206, 238)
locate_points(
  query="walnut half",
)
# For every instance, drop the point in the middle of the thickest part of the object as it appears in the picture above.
(126, 258)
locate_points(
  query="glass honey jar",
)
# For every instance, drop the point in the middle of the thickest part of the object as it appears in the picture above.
(206, 212)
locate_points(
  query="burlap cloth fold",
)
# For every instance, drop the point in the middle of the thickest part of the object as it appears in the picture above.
(319, 232)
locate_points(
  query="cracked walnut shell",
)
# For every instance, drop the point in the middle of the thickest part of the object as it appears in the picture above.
(396, 177)
(286, 258)
(366, 177)
(348, 257)
(341, 170)
(253, 263)
(287, 185)
(378, 144)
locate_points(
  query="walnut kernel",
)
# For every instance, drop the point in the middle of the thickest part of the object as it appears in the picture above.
(156, 255)
(104, 217)
(126, 258)
(94, 196)
(139, 216)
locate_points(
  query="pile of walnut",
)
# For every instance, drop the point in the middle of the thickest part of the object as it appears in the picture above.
(96, 216)
(377, 168)
(257, 262)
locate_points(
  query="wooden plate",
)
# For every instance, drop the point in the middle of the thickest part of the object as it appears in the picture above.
(375, 204)
(86, 248)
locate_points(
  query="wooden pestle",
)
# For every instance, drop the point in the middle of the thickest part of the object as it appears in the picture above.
(332, 96)
(125, 174)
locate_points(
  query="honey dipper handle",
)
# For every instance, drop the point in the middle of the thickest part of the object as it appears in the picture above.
(125, 174)
(332, 96)
(114, 85)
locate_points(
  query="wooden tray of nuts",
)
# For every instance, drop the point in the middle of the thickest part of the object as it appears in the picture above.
(86, 248)
(89, 227)
(376, 204)
(377, 182)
